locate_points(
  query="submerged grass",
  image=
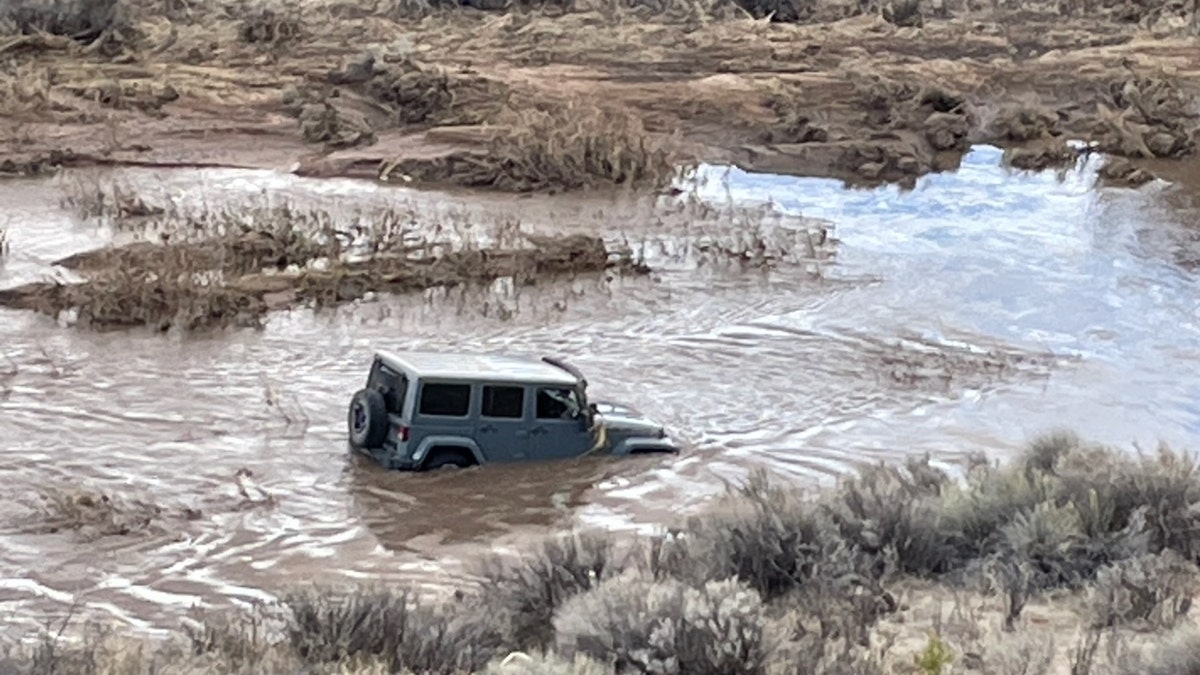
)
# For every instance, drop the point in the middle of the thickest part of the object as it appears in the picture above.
(199, 267)
(767, 579)
(192, 266)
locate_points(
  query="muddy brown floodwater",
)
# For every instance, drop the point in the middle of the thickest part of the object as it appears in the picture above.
(964, 316)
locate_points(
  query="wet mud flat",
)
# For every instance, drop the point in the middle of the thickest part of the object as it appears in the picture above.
(553, 98)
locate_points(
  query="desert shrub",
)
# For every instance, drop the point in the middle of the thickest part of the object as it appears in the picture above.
(82, 20)
(267, 25)
(887, 510)
(1023, 653)
(1051, 540)
(528, 590)
(519, 663)
(667, 627)
(1153, 118)
(974, 514)
(419, 93)
(392, 627)
(237, 639)
(784, 11)
(1112, 490)
(765, 535)
(572, 146)
(1176, 653)
(1153, 591)
(98, 650)
(1046, 451)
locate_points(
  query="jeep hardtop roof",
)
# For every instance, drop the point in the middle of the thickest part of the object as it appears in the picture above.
(471, 366)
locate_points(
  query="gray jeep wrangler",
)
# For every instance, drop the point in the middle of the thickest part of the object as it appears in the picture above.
(422, 410)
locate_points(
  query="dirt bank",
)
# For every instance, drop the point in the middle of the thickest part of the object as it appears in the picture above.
(540, 99)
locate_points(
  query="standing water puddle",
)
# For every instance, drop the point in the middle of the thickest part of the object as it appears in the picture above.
(959, 291)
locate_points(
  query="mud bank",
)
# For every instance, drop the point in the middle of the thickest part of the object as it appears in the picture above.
(598, 94)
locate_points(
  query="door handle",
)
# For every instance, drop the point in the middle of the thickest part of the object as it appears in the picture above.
(487, 428)
(538, 431)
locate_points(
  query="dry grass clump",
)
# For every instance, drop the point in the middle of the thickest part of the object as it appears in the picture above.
(1053, 153)
(268, 25)
(1120, 172)
(575, 146)
(423, 94)
(1148, 118)
(92, 514)
(531, 589)
(229, 266)
(181, 292)
(391, 628)
(648, 626)
(786, 11)
(1022, 123)
(793, 123)
(520, 663)
(24, 89)
(104, 23)
(1151, 591)
(1177, 654)
(96, 199)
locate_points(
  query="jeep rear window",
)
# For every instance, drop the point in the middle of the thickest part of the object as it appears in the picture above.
(506, 402)
(446, 400)
(393, 386)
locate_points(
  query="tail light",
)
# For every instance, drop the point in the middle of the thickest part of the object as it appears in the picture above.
(402, 434)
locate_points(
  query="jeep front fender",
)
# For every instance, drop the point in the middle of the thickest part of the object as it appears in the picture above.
(632, 445)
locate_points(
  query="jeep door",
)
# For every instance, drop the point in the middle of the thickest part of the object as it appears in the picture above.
(555, 432)
(502, 429)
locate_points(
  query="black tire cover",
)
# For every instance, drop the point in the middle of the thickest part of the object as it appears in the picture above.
(374, 429)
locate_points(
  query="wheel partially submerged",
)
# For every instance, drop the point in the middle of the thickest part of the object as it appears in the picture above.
(367, 419)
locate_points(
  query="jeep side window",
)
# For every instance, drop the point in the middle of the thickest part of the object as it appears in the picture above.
(556, 403)
(504, 402)
(446, 400)
(393, 386)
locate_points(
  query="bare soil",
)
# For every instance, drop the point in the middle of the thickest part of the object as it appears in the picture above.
(608, 93)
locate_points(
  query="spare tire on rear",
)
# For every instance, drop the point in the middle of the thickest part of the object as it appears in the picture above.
(367, 419)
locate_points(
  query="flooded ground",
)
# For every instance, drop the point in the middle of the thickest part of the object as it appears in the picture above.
(964, 316)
